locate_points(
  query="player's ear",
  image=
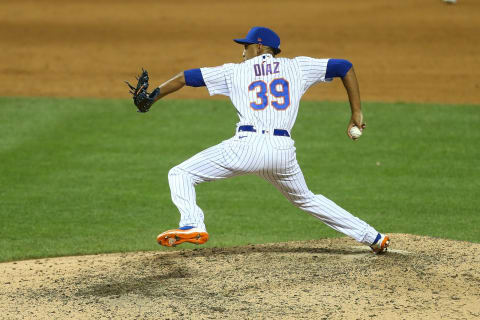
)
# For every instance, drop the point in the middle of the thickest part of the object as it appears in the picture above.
(259, 48)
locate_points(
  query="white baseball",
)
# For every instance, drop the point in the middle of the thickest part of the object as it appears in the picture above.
(355, 132)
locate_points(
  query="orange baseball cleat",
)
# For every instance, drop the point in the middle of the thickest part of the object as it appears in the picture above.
(174, 237)
(381, 243)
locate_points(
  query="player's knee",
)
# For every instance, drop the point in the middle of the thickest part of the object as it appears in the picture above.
(177, 173)
(302, 200)
(300, 203)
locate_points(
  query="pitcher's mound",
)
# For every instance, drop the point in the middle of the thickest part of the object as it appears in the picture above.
(419, 278)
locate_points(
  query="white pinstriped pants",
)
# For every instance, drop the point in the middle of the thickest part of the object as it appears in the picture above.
(270, 157)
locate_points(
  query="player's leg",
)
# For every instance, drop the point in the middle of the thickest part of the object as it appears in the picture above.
(204, 166)
(289, 180)
(227, 159)
(208, 165)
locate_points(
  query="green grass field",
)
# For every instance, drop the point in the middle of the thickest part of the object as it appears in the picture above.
(82, 176)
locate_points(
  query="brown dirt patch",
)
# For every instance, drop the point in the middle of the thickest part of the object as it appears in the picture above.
(407, 50)
(419, 278)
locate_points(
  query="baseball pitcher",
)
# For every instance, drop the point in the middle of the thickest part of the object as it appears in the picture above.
(266, 92)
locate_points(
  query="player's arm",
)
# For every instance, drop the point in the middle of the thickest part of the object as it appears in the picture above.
(172, 85)
(351, 86)
(344, 70)
(192, 78)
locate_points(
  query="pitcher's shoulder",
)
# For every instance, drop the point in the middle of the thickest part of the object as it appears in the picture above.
(306, 58)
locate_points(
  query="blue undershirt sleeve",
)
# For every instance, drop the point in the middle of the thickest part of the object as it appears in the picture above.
(193, 78)
(337, 68)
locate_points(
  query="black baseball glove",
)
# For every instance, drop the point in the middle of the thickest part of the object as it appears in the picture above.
(141, 98)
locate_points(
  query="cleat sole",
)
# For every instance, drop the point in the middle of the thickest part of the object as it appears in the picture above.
(173, 238)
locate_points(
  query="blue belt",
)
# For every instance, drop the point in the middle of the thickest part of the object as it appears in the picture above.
(276, 132)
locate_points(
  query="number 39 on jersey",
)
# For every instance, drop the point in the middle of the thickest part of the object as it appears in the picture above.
(276, 93)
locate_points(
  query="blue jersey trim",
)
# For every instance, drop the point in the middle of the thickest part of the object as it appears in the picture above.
(337, 68)
(194, 78)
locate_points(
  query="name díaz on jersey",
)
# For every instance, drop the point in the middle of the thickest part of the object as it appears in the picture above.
(265, 69)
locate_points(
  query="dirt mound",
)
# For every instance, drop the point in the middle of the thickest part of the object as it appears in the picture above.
(419, 278)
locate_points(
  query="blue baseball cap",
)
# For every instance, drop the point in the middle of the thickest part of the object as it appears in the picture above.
(262, 35)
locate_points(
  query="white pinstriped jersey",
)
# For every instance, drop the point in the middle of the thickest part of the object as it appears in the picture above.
(265, 90)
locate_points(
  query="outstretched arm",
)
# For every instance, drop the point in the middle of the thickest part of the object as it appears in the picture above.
(191, 78)
(172, 85)
(144, 100)
(351, 86)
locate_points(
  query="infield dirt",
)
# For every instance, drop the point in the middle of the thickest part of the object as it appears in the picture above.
(419, 278)
(409, 50)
